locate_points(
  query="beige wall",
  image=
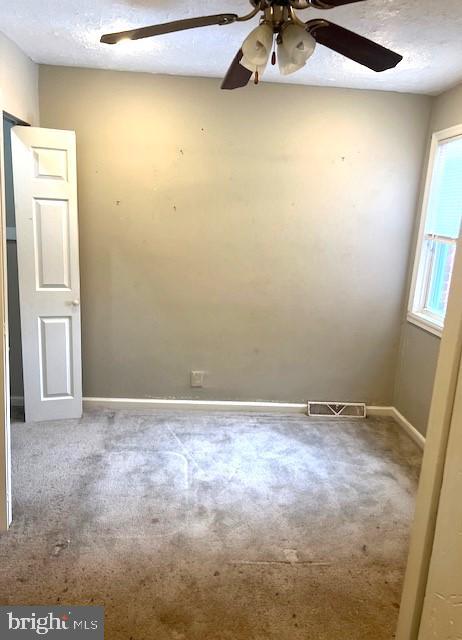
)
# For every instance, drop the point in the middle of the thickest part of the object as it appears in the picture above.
(416, 372)
(18, 82)
(262, 235)
(419, 349)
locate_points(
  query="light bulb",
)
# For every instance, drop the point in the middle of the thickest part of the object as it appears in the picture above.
(296, 47)
(256, 48)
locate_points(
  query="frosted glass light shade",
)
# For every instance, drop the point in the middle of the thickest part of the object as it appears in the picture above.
(296, 47)
(256, 48)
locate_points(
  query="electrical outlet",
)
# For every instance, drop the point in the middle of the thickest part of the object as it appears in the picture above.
(197, 378)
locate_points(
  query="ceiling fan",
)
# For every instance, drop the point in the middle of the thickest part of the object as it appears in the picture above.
(295, 39)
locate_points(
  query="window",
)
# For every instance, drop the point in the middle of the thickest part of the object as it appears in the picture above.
(439, 232)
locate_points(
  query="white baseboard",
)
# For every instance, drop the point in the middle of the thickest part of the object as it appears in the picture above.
(392, 412)
(220, 405)
(379, 412)
(411, 431)
(259, 407)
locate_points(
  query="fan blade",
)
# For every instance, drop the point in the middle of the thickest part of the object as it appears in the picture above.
(352, 45)
(331, 4)
(237, 76)
(169, 27)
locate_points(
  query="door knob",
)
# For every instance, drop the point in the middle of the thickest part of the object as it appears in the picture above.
(75, 303)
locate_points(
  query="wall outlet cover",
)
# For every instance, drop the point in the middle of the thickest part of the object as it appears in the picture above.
(197, 378)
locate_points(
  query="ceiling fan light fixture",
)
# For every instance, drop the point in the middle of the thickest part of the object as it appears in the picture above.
(296, 46)
(256, 48)
(296, 39)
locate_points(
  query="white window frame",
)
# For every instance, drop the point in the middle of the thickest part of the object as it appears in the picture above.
(417, 314)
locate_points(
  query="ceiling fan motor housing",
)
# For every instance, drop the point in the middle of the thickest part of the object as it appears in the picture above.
(295, 4)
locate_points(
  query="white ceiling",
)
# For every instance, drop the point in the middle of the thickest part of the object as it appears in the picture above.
(66, 32)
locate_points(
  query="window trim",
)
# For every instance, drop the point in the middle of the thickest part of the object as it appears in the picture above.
(424, 320)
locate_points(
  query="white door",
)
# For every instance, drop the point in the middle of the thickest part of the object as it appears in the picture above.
(442, 612)
(45, 188)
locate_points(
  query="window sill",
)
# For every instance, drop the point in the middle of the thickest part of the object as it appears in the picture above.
(424, 323)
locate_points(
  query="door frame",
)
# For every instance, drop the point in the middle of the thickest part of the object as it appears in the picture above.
(5, 432)
(6, 507)
(433, 464)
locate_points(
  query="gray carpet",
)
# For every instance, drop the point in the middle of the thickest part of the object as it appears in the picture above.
(213, 526)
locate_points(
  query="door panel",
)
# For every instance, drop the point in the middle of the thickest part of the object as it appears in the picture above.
(44, 168)
(52, 244)
(56, 357)
(50, 163)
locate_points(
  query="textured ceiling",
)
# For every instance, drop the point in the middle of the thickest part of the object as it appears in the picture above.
(66, 32)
